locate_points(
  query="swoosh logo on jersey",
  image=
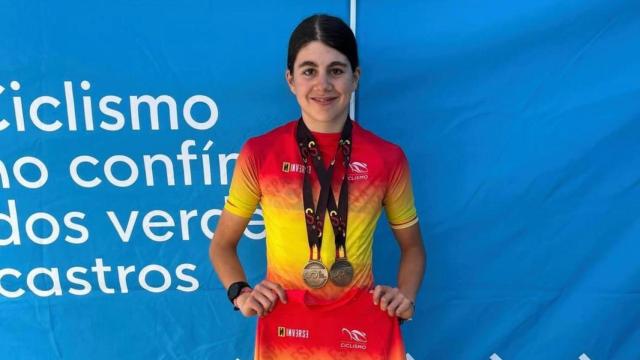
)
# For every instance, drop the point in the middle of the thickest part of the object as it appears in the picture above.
(355, 335)
(359, 167)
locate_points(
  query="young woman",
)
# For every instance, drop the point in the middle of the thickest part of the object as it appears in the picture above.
(322, 182)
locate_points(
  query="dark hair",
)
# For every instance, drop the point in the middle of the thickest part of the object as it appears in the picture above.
(329, 30)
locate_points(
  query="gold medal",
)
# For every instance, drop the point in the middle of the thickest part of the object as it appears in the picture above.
(341, 273)
(315, 274)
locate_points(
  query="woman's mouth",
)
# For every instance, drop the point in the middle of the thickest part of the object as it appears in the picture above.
(324, 100)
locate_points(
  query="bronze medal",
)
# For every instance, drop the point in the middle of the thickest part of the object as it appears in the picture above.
(315, 274)
(341, 273)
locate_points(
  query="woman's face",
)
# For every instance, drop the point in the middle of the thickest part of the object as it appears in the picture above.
(322, 81)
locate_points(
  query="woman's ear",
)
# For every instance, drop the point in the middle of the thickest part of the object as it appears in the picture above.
(356, 78)
(289, 78)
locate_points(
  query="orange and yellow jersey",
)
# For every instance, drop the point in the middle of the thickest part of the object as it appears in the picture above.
(269, 171)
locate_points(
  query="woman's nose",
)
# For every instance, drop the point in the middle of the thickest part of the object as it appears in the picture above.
(323, 81)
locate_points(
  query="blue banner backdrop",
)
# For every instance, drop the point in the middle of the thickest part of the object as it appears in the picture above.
(121, 122)
(521, 121)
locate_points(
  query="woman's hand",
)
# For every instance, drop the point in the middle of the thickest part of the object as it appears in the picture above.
(261, 299)
(393, 301)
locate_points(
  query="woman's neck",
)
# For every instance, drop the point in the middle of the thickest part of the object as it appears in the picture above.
(331, 127)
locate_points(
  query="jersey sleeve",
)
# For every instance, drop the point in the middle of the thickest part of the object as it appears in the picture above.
(398, 201)
(244, 193)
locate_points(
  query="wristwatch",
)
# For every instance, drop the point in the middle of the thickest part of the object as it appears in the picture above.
(235, 290)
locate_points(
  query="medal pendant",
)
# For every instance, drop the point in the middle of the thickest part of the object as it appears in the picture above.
(341, 273)
(315, 274)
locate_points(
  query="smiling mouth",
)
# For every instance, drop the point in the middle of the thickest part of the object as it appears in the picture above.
(324, 100)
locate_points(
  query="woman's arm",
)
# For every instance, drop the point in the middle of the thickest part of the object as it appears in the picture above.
(223, 248)
(224, 257)
(412, 260)
(399, 301)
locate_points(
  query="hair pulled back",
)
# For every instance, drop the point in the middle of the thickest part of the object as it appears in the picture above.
(329, 30)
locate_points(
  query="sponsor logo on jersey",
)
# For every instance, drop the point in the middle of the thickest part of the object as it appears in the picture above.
(294, 333)
(359, 167)
(293, 167)
(353, 339)
(359, 171)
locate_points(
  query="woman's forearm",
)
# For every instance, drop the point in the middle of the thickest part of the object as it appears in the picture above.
(223, 248)
(412, 260)
(410, 274)
(227, 264)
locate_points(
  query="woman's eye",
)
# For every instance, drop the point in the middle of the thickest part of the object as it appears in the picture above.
(337, 71)
(308, 72)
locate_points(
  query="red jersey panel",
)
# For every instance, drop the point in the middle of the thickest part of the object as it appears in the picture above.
(309, 328)
(269, 171)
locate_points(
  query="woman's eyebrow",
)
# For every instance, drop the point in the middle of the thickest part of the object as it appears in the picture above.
(308, 63)
(338, 63)
(312, 64)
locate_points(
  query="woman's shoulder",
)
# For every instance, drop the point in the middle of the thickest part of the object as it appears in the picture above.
(273, 136)
(374, 141)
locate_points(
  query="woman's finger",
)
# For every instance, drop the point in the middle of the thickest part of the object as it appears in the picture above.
(252, 305)
(378, 291)
(405, 310)
(386, 299)
(395, 303)
(277, 289)
(264, 301)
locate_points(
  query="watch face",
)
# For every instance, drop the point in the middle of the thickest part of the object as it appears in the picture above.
(235, 290)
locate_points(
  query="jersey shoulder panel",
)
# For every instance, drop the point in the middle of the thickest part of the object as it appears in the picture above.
(371, 139)
(272, 137)
(398, 199)
(386, 149)
(246, 189)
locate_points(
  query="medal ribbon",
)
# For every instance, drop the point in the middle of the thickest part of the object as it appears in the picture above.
(314, 217)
